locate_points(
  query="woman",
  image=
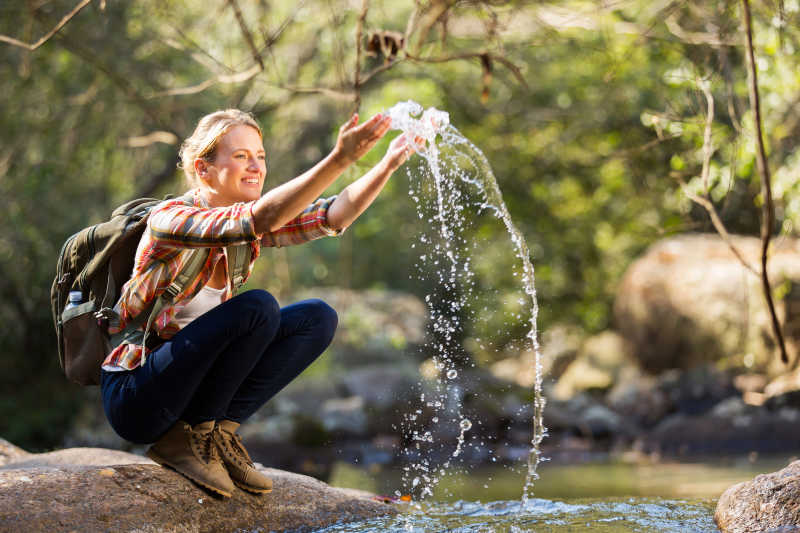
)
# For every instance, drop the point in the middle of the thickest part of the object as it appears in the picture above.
(224, 356)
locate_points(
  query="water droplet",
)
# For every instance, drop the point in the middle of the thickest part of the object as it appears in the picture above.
(452, 373)
(465, 424)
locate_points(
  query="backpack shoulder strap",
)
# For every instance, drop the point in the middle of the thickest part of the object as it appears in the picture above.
(239, 257)
(187, 274)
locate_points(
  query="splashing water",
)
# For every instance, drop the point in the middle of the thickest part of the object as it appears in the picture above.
(453, 163)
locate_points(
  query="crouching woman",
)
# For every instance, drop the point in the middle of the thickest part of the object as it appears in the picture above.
(219, 357)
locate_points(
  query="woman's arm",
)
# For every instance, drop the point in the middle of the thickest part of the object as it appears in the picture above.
(357, 196)
(281, 204)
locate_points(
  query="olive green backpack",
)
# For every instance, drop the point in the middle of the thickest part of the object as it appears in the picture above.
(97, 261)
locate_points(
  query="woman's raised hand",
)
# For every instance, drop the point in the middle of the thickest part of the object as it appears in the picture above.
(355, 139)
(400, 150)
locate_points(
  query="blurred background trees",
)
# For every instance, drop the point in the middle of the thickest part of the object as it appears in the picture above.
(591, 114)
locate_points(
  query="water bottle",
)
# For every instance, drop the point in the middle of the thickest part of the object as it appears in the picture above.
(75, 298)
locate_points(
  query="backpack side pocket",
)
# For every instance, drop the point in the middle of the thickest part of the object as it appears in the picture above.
(86, 344)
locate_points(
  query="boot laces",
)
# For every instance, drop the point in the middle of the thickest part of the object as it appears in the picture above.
(232, 443)
(204, 446)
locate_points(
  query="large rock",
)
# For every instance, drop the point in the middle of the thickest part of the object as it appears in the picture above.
(559, 347)
(688, 300)
(770, 502)
(731, 427)
(602, 360)
(93, 489)
(9, 452)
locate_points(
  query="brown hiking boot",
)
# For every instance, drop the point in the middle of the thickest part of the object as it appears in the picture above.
(236, 459)
(191, 451)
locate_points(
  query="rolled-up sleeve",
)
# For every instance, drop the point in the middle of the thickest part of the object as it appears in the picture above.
(311, 224)
(187, 226)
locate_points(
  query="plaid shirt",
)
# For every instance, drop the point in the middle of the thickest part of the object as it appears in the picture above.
(174, 228)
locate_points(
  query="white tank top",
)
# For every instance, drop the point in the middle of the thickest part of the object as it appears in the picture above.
(203, 301)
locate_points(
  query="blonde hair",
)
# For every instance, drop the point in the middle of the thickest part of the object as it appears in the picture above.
(203, 142)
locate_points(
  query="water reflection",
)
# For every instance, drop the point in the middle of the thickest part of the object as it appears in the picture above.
(699, 479)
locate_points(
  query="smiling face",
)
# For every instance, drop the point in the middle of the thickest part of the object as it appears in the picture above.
(238, 169)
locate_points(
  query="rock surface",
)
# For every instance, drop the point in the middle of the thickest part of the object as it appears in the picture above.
(770, 502)
(601, 362)
(689, 301)
(94, 489)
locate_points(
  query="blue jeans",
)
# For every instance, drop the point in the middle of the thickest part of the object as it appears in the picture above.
(225, 364)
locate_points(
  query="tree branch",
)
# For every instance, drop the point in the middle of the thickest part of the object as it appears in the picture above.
(48, 35)
(435, 11)
(333, 93)
(515, 70)
(362, 17)
(693, 37)
(248, 37)
(238, 77)
(705, 200)
(379, 69)
(123, 84)
(768, 208)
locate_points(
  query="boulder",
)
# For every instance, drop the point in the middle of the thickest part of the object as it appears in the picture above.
(640, 400)
(345, 416)
(559, 347)
(783, 390)
(731, 427)
(9, 452)
(697, 390)
(94, 489)
(689, 301)
(770, 502)
(602, 360)
(584, 415)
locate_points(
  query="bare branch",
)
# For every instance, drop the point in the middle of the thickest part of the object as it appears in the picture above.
(412, 21)
(123, 84)
(515, 70)
(272, 38)
(719, 226)
(377, 70)
(362, 16)
(693, 37)
(646, 146)
(708, 145)
(248, 37)
(48, 35)
(705, 201)
(142, 141)
(768, 209)
(333, 93)
(238, 77)
(435, 11)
